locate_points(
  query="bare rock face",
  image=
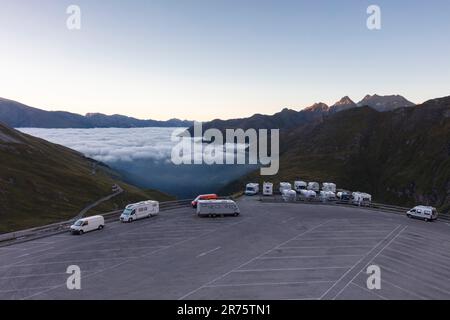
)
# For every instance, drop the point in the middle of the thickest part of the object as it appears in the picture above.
(385, 103)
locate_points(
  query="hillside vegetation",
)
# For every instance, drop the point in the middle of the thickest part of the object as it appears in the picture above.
(41, 183)
(400, 157)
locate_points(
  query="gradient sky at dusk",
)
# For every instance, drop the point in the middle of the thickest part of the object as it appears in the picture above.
(205, 59)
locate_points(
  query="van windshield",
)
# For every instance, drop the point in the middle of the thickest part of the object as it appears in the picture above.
(79, 223)
(127, 212)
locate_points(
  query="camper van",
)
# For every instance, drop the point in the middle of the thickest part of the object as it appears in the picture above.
(289, 195)
(327, 186)
(251, 189)
(361, 199)
(88, 224)
(314, 186)
(308, 194)
(344, 196)
(285, 186)
(217, 208)
(204, 197)
(327, 196)
(300, 185)
(267, 189)
(423, 212)
(140, 210)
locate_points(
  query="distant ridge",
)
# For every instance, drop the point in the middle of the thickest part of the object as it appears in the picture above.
(290, 119)
(17, 115)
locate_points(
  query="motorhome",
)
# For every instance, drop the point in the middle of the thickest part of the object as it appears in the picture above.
(344, 196)
(308, 194)
(217, 208)
(327, 186)
(423, 212)
(361, 199)
(88, 224)
(251, 189)
(211, 196)
(267, 189)
(140, 210)
(327, 196)
(314, 186)
(289, 195)
(285, 186)
(300, 185)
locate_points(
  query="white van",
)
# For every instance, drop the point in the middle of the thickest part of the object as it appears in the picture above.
(88, 224)
(423, 212)
(327, 186)
(217, 208)
(361, 199)
(140, 210)
(267, 189)
(300, 185)
(285, 186)
(314, 186)
(251, 189)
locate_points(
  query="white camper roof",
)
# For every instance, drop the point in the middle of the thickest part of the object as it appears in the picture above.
(140, 204)
(251, 184)
(425, 208)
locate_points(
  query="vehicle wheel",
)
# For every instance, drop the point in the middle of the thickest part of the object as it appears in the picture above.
(100, 227)
(408, 215)
(130, 221)
(80, 232)
(236, 214)
(427, 220)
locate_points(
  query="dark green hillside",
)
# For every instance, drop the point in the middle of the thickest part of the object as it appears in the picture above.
(41, 182)
(401, 157)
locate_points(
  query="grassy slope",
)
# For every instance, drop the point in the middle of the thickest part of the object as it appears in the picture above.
(41, 183)
(401, 157)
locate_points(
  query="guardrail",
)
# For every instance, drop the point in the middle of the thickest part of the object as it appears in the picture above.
(61, 227)
(373, 205)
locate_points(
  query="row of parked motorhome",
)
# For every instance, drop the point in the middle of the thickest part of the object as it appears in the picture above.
(309, 190)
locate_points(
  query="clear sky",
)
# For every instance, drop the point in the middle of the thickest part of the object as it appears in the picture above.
(205, 59)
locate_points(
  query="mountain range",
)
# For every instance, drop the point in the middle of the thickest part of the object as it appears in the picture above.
(289, 118)
(42, 183)
(18, 115)
(401, 157)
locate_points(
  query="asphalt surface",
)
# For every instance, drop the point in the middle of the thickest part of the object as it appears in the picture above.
(271, 251)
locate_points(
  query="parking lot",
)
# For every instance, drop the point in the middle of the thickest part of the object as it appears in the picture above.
(271, 251)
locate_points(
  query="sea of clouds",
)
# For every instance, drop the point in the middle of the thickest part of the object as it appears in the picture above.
(112, 145)
(143, 156)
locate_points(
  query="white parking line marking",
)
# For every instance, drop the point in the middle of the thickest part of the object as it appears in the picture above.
(343, 238)
(289, 269)
(129, 259)
(251, 260)
(24, 289)
(403, 289)
(370, 291)
(326, 247)
(415, 279)
(265, 284)
(290, 219)
(373, 258)
(310, 257)
(356, 264)
(208, 252)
